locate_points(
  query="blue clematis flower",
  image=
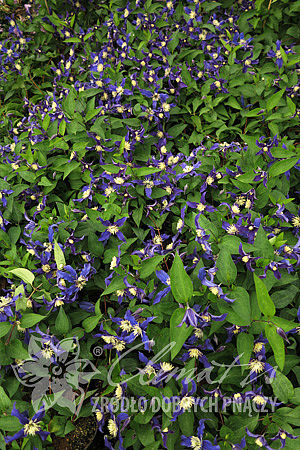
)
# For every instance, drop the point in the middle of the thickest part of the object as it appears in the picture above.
(239, 446)
(186, 399)
(258, 366)
(197, 441)
(282, 435)
(190, 318)
(31, 427)
(77, 281)
(165, 279)
(112, 228)
(132, 328)
(115, 427)
(260, 440)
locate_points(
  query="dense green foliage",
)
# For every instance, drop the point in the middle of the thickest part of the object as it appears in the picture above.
(149, 223)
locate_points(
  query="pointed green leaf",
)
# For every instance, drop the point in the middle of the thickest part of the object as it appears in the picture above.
(29, 320)
(4, 400)
(24, 274)
(244, 347)
(274, 99)
(91, 322)
(227, 270)
(59, 256)
(265, 302)
(282, 166)
(62, 323)
(181, 284)
(149, 265)
(262, 244)
(282, 387)
(276, 343)
(4, 328)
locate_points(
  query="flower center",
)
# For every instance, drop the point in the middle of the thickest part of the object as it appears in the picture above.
(257, 366)
(196, 443)
(125, 325)
(259, 400)
(186, 402)
(113, 229)
(232, 229)
(81, 281)
(166, 367)
(31, 428)
(194, 353)
(296, 221)
(112, 428)
(201, 207)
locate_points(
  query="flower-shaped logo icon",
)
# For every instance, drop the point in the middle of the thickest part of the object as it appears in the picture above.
(55, 373)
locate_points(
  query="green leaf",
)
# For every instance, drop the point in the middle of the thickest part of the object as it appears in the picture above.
(181, 284)
(62, 127)
(45, 182)
(186, 422)
(143, 171)
(174, 42)
(177, 130)
(291, 105)
(4, 400)
(116, 284)
(48, 27)
(91, 322)
(232, 244)
(274, 99)
(145, 434)
(149, 265)
(227, 270)
(59, 256)
(238, 422)
(110, 168)
(16, 350)
(69, 103)
(70, 167)
(24, 274)
(244, 348)
(4, 358)
(46, 122)
(252, 113)
(62, 323)
(74, 39)
(282, 166)
(137, 215)
(178, 334)
(265, 303)
(258, 4)
(21, 302)
(139, 388)
(276, 343)
(286, 325)
(232, 101)
(9, 423)
(239, 312)
(28, 320)
(262, 244)
(186, 77)
(98, 127)
(282, 387)
(283, 298)
(4, 328)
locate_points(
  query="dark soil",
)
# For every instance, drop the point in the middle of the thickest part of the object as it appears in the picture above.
(85, 436)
